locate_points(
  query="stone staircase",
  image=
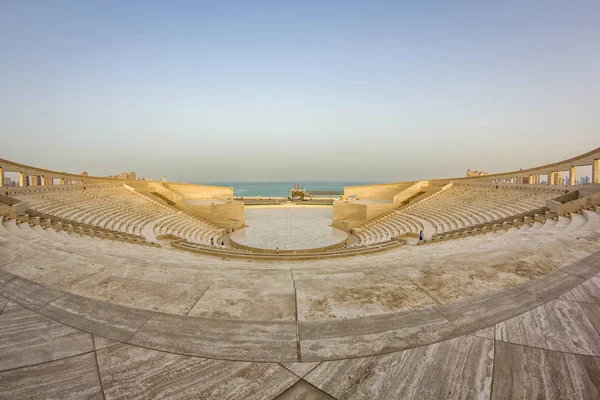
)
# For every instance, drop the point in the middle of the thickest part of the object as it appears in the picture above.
(411, 198)
(164, 199)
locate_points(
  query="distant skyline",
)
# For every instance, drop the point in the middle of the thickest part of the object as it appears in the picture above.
(298, 91)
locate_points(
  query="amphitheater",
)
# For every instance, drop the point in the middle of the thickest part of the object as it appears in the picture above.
(135, 289)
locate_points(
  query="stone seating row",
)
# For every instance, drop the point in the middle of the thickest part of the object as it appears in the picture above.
(452, 210)
(141, 263)
(540, 214)
(117, 209)
(574, 224)
(537, 226)
(34, 218)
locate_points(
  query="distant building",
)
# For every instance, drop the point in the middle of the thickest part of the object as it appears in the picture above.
(475, 173)
(131, 176)
(8, 182)
(84, 173)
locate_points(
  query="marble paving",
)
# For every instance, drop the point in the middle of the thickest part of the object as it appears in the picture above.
(277, 304)
(528, 373)
(454, 369)
(544, 327)
(143, 374)
(549, 351)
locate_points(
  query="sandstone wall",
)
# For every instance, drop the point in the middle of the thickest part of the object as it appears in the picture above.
(376, 192)
(225, 215)
(191, 191)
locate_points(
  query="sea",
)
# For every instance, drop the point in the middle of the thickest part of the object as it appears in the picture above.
(282, 189)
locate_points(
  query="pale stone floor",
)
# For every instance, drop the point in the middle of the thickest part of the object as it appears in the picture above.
(511, 314)
(288, 228)
(549, 352)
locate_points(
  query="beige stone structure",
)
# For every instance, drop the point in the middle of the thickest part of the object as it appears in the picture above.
(377, 200)
(360, 205)
(214, 203)
(471, 174)
(211, 203)
(553, 171)
(365, 203)
(502, 302)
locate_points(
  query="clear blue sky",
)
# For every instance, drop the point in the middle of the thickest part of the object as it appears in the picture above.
(302, 90)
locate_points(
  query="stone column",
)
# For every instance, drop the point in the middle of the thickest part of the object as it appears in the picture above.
(42, 180)
(551, 178)
(572, 176)
(49, 181)
(1, 177)
(21, 180)
(595, 171)
(32, 180)
(62, 181)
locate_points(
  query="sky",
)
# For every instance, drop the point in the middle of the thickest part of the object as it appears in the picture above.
(298, 90)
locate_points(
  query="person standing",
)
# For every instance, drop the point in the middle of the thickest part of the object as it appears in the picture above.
(420, 237)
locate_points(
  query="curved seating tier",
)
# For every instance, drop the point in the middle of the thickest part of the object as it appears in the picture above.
(407, 277)
(112, 314)
(454, 209)
(117, 209)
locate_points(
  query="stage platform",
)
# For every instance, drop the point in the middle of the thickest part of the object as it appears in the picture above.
(289, 228)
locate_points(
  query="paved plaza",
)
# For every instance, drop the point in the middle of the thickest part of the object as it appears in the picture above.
(288, 228)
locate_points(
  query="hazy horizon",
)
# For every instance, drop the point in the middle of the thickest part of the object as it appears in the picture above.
(278, 91)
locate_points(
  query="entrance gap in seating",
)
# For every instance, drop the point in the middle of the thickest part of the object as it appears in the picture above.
(11, 179)
(583, 175)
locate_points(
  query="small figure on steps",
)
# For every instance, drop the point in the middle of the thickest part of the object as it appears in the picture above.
(420, 237)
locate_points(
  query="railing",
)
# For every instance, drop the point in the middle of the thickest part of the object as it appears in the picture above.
(442, 190)
(164, 198)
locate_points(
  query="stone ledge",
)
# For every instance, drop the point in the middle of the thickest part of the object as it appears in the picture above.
(277, 341)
